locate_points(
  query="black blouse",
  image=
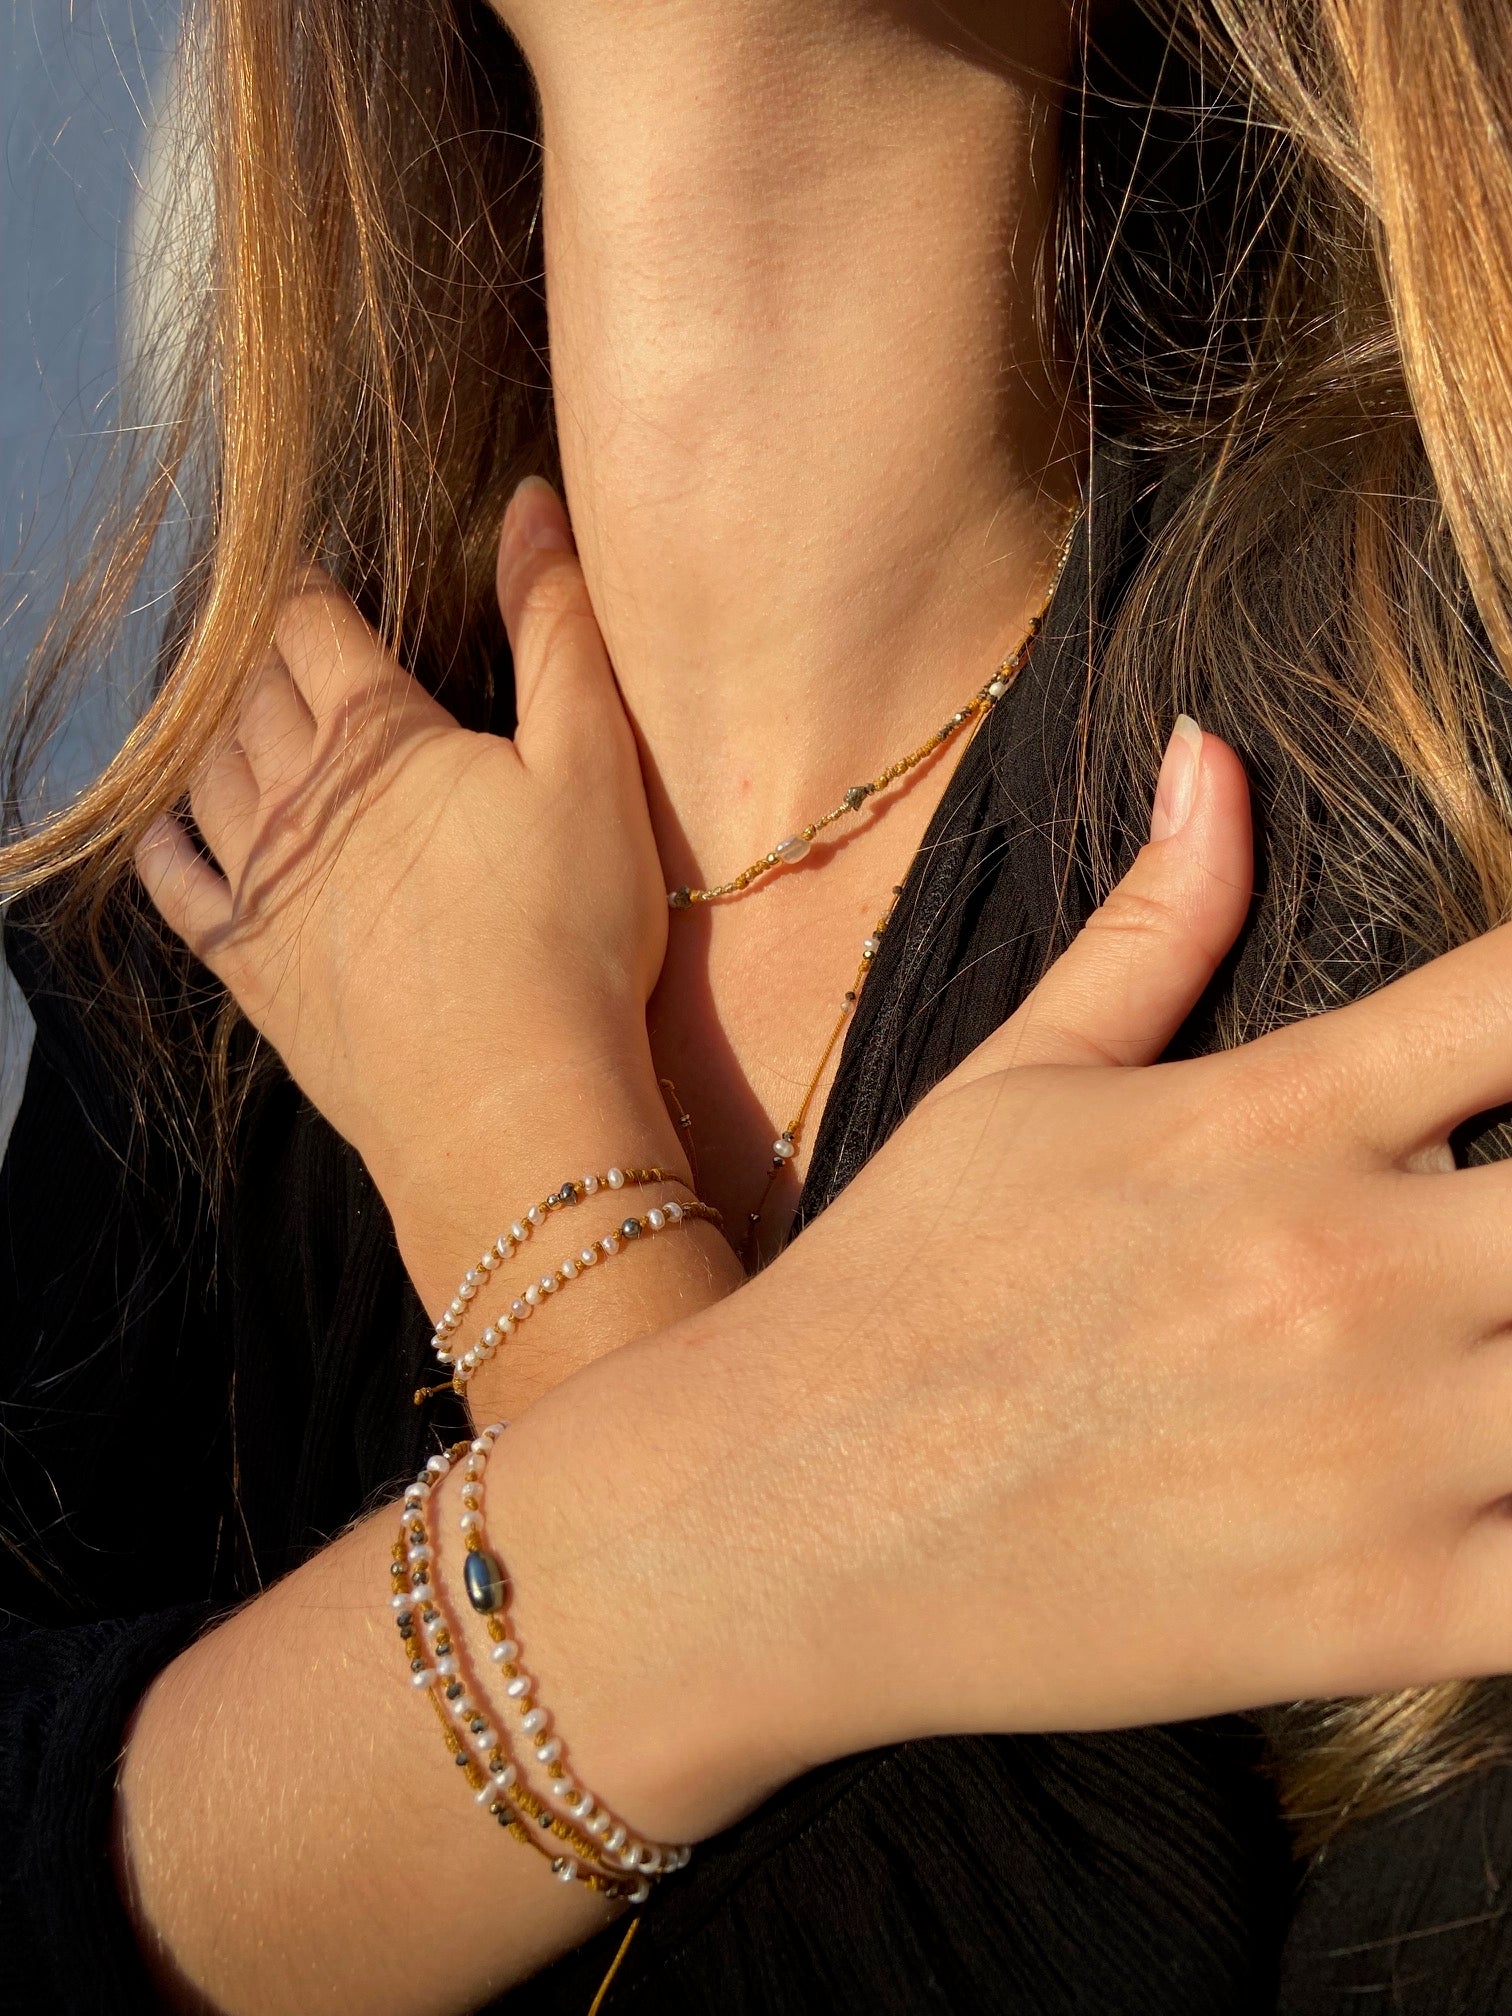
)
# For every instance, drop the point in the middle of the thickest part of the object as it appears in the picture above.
(269, 1350)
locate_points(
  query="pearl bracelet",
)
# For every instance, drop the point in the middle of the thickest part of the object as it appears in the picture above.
(509, 1241)
(461, 1366)
(475, 1746)
(487, 1587)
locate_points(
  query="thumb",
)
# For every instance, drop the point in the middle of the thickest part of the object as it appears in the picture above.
(1121, 991)
(563, 681)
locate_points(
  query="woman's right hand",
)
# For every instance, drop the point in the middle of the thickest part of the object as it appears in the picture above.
(1102, 1396)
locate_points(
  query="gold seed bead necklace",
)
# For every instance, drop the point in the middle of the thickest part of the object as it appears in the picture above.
(787, 853)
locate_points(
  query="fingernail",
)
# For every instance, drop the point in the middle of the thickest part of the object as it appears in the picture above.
(537, 518)
(1176, 789)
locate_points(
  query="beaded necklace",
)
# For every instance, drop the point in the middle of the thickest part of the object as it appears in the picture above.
(787, 853)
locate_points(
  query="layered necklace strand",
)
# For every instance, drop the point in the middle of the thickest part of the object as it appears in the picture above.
(794, 849)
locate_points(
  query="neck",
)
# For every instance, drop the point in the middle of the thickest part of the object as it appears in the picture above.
(818, 461)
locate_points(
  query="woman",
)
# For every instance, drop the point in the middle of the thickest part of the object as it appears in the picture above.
(1088, 1399)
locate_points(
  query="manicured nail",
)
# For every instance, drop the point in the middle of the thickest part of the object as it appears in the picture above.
(1176, 790)
(537, 518)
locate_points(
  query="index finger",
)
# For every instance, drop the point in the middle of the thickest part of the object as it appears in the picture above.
(1426, 1052)
(333, 655)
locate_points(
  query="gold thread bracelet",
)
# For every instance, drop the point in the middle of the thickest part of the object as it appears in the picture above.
(432, 1645)
(509, 1241)
(461, 1367)
(487, 1586)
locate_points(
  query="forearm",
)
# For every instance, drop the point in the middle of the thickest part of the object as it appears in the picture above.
(293, 1832)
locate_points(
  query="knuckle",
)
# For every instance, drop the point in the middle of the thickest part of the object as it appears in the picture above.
(1309, 1268)
(1137, 914)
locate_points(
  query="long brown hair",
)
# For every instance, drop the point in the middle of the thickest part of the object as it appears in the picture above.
(1285, 252)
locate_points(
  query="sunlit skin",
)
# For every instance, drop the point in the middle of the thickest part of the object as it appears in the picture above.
(1223, 1398)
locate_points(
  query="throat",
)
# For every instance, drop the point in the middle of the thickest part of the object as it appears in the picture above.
(818, 449)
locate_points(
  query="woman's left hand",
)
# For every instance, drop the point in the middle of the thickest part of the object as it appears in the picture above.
(448, 937)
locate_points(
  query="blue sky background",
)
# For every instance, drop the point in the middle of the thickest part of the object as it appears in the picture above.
(78, 79)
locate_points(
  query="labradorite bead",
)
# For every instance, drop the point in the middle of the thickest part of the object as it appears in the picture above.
(485, 1581)
(681, 899)
(631, 1229)
(857, 796)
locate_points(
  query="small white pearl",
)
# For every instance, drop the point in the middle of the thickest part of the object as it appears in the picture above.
(549, 1751)
(568, 1270)
(445, 1360)
(597, 1823)
(469, 1360)
(403, 1601)
(616, 1179)
(478, 1447)
(611, 1245)
(631, 1859)
(519, 1687)
(447, 1667)
(674, 1212)
(504, 1246)
(549, 1284)
(870, 947)
(519, 1233)
(794, 848)
(495, 1429)
(457, 1309)
(489, 1338)
(470, 1522)
(590, 1185)
(489, 1793)
(505, 1649)
(651, 1862)
(506, 1776)
(484, 1740)
(438, 1466)
(519, 1310)
(417, 1555)
(996, 689)
(488, 1261)
(614, 1840)
(589, 1256)
(423, 1678)
(656, 1219)
(783, 1148)
(563, 1870)
(533, 1293)
(536, 1216)
(534, 1721)
(640, 1893)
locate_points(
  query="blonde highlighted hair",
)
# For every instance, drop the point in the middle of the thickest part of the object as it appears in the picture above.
(1285, 253)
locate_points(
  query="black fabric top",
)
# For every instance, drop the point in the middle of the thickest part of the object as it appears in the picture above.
(273, 1352)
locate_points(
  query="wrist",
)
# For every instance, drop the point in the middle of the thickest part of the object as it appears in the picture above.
(476, 1160)
(634, 1599)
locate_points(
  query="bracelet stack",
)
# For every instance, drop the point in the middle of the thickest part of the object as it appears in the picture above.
(581, 1837)
(461, 1365)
